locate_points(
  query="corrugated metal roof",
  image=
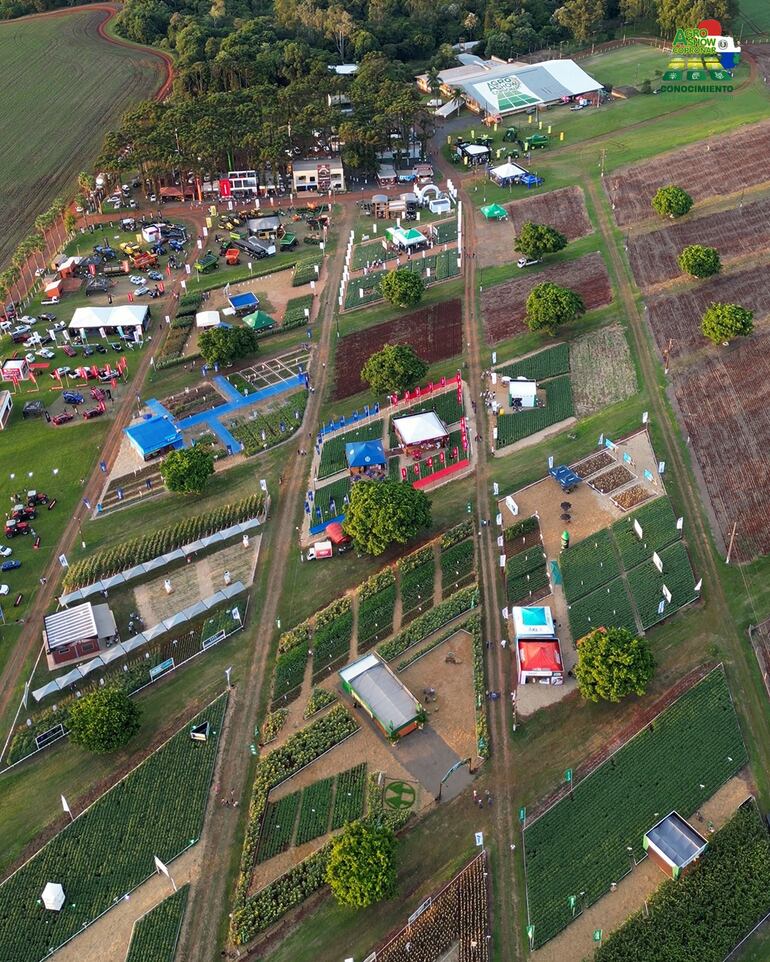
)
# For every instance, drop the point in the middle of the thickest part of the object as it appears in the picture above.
(72, 624)
(389, 699)
(676, 840)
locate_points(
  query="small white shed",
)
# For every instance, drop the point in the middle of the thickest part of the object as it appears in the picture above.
(522, 392)
(53, 896)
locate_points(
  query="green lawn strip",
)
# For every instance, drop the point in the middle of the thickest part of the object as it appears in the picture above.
(333, 458)
(108, 850)
(315, 811)
(588, 564)
(701, 916)
(606, 607)
(548, 363)
(658, 524)
(349, 796)
(580, 844)
(646, 584)
(558, 407)
(278, 826)
(155, 935)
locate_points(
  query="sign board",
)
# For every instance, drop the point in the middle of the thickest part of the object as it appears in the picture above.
(550, 461)
(214, 639)
(164, 666)
(627, 459)
(45, 738)
(502, 560)
(648, 475)
(638, 529)
(666, 593)
(420, 909)
(661, 606)
(511, 505)
(610, 445)
(200, 733)
(661, 467)
(679, 523)
(568, 775)
(495, 488)
(522, 814)
(479, 839)
(262, 484)
(658, 562)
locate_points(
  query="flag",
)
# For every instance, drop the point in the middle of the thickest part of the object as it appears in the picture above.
(95, 371)
(57, 376)
(680, 523)
(161, 867)
(65, 806)
(162, 287)
(598, 935)
(130, 297)
(699, 585)
(168, 270)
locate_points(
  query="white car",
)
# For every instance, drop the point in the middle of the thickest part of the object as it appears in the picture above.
(137, 279)
(47, 353)
(27, 320)
(141, 291)
(525, 262)
(4, 589)
(62, 371)
(5, 551)
(30, 358)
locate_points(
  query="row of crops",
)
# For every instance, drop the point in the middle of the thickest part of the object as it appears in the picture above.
(675, 763)
(702, 916)
(267, 428)
(333, 631)
(458, 563)
(375, 612)
(330, 500)
(333, 458)
(108, 850)
(121, 557)
(155, 935)
(525, 574)
(538, 367)
(305, 271)
(294, 315)
(558, 407)
(417, 585)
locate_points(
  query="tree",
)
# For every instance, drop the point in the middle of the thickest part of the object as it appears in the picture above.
(581, 17)
(402, 287)
(362, 865)
(671, 201)
(383, 512)
(104, 719)
(612, 663)
(672, 14)
(549, 305)
(699, 261)
(394, 369)
(534, 240)
(223, 345)
(186, 471)
(722, 322)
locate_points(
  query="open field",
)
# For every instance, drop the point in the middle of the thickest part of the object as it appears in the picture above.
(563, 209)
(504, 305)
(706, 169)
(744, 230)
(45, 146)
(435, 332)
(677, 317)
(727, 416)
(602, 370)
(581, 843)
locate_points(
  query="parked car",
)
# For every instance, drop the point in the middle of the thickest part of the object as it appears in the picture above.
(136, 279)
(100, 348)
(88, 351)
(50, 318)
(129, 248)
(69, 350)
(98, 394)
(93, 413)
(46, 353)
(64, 418)
(59, 326)
(321, 549)
(155, 275)
(141, 291)
(525, 262)
(30, 358)
(5, 551)
(50, 300)
(72, 397)
(10, 566)
(26, 319)
(105, 376)
(116, 345)
(61, 372)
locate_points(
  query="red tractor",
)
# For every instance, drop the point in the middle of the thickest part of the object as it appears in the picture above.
(12, 528)
(36, 497)
(22, 512)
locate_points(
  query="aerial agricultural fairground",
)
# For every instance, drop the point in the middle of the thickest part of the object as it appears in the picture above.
(384, 409)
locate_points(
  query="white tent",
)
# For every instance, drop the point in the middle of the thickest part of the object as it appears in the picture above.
(207, 319)
(53, 896)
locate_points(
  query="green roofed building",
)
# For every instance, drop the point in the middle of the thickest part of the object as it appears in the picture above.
(385, 698)
(494, 212)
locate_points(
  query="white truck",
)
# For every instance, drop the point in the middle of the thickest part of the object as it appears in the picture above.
(321, 549)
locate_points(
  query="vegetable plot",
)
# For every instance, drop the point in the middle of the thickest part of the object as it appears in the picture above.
(333, 451)
(315, 811)
(417, 588)
(525, 574)
(461, 601)
(659, 530)
(333, 631)
(607, 607)
(580, 844)
(558, 407)
(155, 935)
(349, 796)
(457, 564)
(549, 363)
(646, 584)
(108, 850)
(588, 565)
(278, 826)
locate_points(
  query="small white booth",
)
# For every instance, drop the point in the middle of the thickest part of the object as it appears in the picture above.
(522, 392)
(207, 319)
(53, 897)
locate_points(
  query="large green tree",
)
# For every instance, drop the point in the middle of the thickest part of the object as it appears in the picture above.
(581, 17)
(549, 305)
(673, 14)
(223, 345)
(612, 663)
(383, 512)
(671, 201)
(395, 368)
(722, 322)
(402, 287)
(699, 261)
(535, 240)
(361, 870)
(103, 720)
(186, 471)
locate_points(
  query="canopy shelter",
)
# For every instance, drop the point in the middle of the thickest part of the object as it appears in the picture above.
(540, 661)
(405, 239)
(382, 695)
(259, 321)
(420, 431)
(473, 154)
(674, 845)
(133, 316)
(53, 896)
(533, 622)
(494, 212)
(207, 319)
(366, 459)
(243, 303)
(565, 477)
(154, 436)
(507, 173)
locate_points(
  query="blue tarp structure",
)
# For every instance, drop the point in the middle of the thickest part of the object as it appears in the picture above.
(565, 476)
(530, 180)
(153, 435)
(244, 302)
(364, 454)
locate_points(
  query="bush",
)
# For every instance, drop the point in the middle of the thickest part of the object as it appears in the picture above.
(549, 306)
(402, 287)
(722, 322)
(104, 720)
(362, 865)
(612, 664)
(273, 723)
(699, 261)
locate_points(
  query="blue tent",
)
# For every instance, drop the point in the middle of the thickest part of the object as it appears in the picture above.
(154, 434)
(364, 454)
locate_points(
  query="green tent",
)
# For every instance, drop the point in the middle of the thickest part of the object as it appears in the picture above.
(494, 212)
(259, 321)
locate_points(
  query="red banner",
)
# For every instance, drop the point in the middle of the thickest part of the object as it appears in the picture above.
(443, 382)
(162, 287)
(454, 452)
(417, 470)
(458, 378)
(95, 371)
(92, 270)
(225, 187)
(403, 474)
(441, 457)
(430, 462)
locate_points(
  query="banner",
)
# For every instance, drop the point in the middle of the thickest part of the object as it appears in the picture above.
(657, 561)
(160, 866)
(65, 806)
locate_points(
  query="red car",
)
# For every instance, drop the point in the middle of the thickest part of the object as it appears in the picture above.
(93, 413)
(63, 418)
(69, 351)
(98, 394)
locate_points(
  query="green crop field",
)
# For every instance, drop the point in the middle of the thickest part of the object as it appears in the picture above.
(64, 87)
(156, 934)
(674, 764)
(558, 407)
(108, 850)
(588, 564)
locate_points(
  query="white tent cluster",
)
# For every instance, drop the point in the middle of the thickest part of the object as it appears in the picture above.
(161, 561)
(149, 634)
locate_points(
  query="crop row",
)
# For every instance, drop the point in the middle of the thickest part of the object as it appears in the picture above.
(606, 607)
(155, 935)
(703, 915)
(524, 561)
(332, 634)
(457, 563)
(430, 621)
(416, 559)
(417, 587)
(646, 584)
(675, 763)
(316, 810)
(294, 315)
(109, 848)
(305, 272)
(480, 687)
(319, 698)
(330, 500)
(445, 231)
(548, 363)
(588, 565)
(289, 674)
(267, 429)
(375, 616)
(119, 558)
(659, 530)
(456, 534)
(278, 826)
(376, 583)
(349, 796)
(273, 723)
(522, 590)
(558, 407)
(333, 457)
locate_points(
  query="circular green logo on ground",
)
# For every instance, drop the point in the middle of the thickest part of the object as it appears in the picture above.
(399, 795)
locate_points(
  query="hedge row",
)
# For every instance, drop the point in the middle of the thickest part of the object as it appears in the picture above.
(459, 533)
(429, 622)
(520, 528)
(473, 625)
(416, 558)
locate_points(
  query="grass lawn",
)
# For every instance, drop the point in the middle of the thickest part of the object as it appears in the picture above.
(45, 147)
(752, 20)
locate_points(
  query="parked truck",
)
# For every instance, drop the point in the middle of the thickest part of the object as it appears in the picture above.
(143, 260)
